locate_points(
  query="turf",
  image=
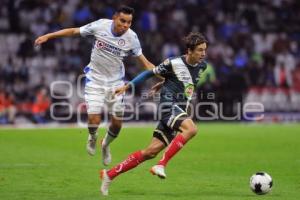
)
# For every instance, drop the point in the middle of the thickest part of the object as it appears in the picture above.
(52, 164)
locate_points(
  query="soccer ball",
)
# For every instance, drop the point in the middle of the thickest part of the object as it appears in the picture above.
(261, 183)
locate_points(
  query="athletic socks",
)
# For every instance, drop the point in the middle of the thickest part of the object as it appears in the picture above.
(131, 162)
(172, 149)
(109, 137)
(137, 158)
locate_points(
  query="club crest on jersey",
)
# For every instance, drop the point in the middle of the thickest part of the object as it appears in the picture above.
(189, 90)
(121, 42)
(100, 44)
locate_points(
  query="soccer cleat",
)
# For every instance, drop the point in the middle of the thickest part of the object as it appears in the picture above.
(105, 182)
(106, 156)
(91, 144)
(158, 170)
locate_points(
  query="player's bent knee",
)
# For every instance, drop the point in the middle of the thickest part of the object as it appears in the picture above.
(117, 125)
(193, 131)
(94, 120)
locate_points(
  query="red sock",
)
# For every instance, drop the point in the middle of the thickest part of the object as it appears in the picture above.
(132, 161)
(172, 149)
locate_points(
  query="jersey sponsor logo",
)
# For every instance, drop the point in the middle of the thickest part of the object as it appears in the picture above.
(184, 76)
(99, 44)
(121, 42)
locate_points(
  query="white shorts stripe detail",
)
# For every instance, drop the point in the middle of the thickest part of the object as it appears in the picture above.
(176, 118)
(163, 135)
(170, 120)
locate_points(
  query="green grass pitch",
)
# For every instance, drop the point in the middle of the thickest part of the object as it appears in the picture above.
(52, 164)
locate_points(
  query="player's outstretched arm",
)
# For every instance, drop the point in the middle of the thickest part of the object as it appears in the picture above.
(62, 33)
(155, 88)
(145, 62)
(122, 89)
(137, 80)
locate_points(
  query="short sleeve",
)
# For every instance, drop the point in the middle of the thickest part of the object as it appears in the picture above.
(164, 68)
(136, 50)
(89, 29)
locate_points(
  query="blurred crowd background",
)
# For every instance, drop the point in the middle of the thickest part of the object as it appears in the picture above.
(253, 51)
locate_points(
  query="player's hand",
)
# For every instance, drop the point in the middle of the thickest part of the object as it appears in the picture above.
(156, 88)
(40, 40)
(121, 90)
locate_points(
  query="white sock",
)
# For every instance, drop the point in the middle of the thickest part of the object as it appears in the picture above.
(108, 138)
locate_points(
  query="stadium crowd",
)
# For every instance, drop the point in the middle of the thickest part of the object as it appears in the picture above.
(253, 49)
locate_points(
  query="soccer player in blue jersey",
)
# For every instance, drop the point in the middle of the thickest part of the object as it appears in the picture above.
(175, 128)
(114, 40)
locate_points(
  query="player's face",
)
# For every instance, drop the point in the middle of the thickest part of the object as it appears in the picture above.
(199, 53)
(122, 23)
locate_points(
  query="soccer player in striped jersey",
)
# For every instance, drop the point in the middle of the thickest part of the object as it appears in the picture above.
(175, 128)
(114, 40)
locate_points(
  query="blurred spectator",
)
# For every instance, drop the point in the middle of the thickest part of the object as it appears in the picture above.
(148, 21)
(296, 78)
(241, 59)
(13, 15)
(82, 14)
(170, 49)
(7, 108)
(269, 76)
(285, 64)
(255, 74)
(41, 106)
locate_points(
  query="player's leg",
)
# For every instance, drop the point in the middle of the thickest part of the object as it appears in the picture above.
(111, 134)
(113, 130)
(115, 105)
(130, 162)
(94, 99)
(187, 131)
(93, 123)
(137, 157)
(165, 135)
(178, 120)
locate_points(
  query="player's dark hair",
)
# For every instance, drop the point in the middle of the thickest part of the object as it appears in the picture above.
(125, 9)
(194, 39)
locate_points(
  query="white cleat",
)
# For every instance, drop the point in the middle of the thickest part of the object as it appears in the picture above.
(106, 156)
(91, 144)
(105, 182)
(158, 170)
